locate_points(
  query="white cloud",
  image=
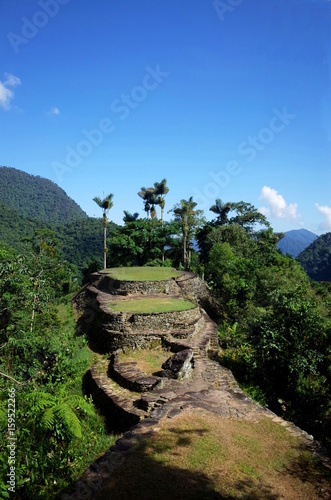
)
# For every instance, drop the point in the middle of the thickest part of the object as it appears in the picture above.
(277, 206)
(55, 111)
(6, 93)
(326, 212)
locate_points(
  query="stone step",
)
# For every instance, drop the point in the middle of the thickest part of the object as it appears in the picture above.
(128, 375)
(122, 404)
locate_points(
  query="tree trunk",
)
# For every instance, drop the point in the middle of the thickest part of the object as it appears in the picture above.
(184, 242)
(104, 241)
(162, 227)
(189, 256)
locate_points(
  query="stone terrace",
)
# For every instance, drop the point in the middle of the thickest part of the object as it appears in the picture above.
(137, 402)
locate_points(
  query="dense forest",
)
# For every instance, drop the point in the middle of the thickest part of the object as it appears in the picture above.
(316, 259)
(274, 322)
(37, 198)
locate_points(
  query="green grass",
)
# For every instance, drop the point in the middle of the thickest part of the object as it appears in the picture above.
(148, 360)
(143, 273)
(152, 305)
(195, 456)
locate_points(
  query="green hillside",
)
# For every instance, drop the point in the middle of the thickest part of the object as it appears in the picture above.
(81, 241)
(78, 242)
(29, 203)
(316, 259)
(15, 228)
(37, 198)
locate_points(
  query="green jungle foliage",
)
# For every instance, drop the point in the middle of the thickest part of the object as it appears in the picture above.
(37, 198)
(276, 330)
(15, 228)
(58, 430)
(79, 242)
(140, 242)
(316, 259)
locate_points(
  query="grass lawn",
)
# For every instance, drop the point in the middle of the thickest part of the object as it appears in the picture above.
(143, 273)
(148, 360)
(195, 456)
(151, 305)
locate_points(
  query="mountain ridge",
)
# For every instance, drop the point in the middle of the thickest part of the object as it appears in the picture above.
(37, 198)
(316, 258)
(295, 241)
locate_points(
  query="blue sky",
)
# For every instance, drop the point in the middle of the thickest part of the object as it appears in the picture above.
(226, 98)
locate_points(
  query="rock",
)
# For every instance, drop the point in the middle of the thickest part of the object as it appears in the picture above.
(179, 365)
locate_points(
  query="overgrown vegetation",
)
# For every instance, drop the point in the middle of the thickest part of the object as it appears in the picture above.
(58, 430)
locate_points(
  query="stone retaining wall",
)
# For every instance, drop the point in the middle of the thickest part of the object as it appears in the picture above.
(116, 287)
(196, 290)
(110, 341)
(120, 418)
(163, 322)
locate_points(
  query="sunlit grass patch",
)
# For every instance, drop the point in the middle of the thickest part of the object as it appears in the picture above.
(151, 305)
(143, 273)
(148, 360)
(195, 456)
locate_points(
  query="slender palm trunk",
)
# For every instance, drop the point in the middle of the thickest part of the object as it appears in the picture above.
(162, 227)
(185, 255)
(189, 256)
(104, 241)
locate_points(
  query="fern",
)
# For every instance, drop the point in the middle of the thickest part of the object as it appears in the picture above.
(55, 411)
(82, 404)
(41, 400)
(69, 419)
(3, 418)
(47, 420)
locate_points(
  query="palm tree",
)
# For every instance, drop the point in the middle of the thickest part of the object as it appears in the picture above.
(128, 217)
(106, 204)
(150, 200)
(187, 215)
(180, 212)
(221, 210)
(145, 194)
(161, 189)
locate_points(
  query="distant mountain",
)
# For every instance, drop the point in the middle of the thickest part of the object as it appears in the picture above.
(37, 198)
(28, 203)
(316, 259)
(295, 241)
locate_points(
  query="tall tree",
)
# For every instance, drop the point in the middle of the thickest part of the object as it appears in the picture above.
(161, 189)
(106, 204)
(221, 210)
(188, 218)
(248, 216)
(146, 195)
